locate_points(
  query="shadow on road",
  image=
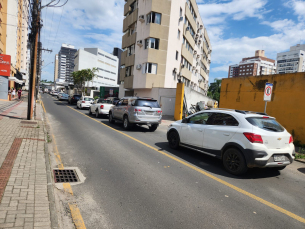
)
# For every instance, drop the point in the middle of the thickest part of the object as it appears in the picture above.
(302, 170)
(214, 165)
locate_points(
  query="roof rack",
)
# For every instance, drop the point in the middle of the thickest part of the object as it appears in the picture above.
(240, 111)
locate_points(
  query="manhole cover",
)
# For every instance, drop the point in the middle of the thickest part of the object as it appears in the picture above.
(26, 122)
(65, 176)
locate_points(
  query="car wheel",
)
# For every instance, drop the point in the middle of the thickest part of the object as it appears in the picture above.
(126, 123)
(97, 114)
(153, 127)
(76, 106)
(173, 140)
(279, 168)
(234, 162)
(90, 112)
(111, 120)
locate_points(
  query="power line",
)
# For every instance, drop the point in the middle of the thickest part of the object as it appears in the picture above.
(51, 25)
(58, 27)
(14, 25)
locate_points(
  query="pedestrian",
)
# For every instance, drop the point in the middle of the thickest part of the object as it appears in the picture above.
(19, 93)
(13, 92)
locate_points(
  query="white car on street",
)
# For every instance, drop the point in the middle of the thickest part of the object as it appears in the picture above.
(241, 139)
(100, 107)
(84, 102)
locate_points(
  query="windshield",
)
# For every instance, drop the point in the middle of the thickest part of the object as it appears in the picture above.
(268, 124)
(88, 99)
(105, 101)
(147, 103)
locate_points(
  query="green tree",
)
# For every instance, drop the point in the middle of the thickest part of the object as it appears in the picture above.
(214, 89)
(82, 76)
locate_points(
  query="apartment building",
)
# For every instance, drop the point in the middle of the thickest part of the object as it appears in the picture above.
(253, 66)
(164, 42)
(291, 61)
(66, 63)
(3, 17)
(106, 63)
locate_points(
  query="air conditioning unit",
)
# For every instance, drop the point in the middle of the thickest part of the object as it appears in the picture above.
(195, 52)
(198, 56)
(181, 19)
(201, 36)
(194, 67)
(182, 66)
(196, 70)
(188, 28)
(141, 18)
(199, 41)
(200, 80)
(201, 27)
(175, 70)
(138, 67)
(140, 43)
(197, 35)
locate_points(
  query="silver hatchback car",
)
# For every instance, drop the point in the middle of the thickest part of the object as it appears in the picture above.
(136, 110)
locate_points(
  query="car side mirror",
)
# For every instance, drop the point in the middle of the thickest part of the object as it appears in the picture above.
(184, 120)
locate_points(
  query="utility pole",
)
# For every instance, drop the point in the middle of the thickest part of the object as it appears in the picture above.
(35, 35)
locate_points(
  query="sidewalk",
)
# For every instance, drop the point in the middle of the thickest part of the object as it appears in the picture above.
(23, 178)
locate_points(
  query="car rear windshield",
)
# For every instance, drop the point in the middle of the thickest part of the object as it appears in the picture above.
(76, 96)
(88, 99)
(147, 103)
(268, 124)
(105, 101)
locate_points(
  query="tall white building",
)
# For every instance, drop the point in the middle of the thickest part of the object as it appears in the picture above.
(66, 63)
(106, 63)
(291, 61)
(164, 42)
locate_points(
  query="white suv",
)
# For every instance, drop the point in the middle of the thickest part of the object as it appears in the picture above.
(242, 139)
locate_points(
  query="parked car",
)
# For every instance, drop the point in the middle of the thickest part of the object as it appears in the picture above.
(60, 93)
(55, 93)
(114, 100)
(84, 102)
(73, 99)
(100, 107)
(241, 139)
(63, 96)
(135, 110)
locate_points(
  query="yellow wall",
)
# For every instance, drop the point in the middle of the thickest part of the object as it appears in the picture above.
(179, 101)
(287, 105)
(19, 35)
(3, 26)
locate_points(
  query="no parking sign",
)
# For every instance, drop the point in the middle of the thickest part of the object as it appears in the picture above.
(268, 92)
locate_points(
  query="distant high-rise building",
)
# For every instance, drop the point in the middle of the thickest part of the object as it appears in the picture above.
(291, 61)
(66, 63)
(118, 52)
(56, 68)
(106, 63)
(253, 66)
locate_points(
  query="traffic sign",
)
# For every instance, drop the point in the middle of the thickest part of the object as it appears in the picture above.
(268, 92)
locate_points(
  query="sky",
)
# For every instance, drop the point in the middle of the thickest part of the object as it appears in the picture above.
(236, 28)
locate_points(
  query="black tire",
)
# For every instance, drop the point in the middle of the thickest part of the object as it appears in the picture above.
(234, 162)
(173, 140)
(77, 106)
(97, 115)
(126, 124)
(153, 127)
(279, 168)
(111, 120)
(90, 112)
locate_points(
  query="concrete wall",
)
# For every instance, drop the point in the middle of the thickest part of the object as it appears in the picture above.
(287, 105)
(193, 97)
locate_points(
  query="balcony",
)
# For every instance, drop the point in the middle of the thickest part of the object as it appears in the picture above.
(186, 73)
(207, 38)
(128, 40)
(129, 61)
(186, 54)
(122, 74)
(203, 74)
(123, 57)
(127, 6)
(188, 36)
(190, 18)
(129, 20)
(128, 82)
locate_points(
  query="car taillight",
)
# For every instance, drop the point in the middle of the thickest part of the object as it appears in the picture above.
(159, 112)
(290, 140)
(83, 101)
(72, 97)
(137, 110)
(254, 138)
(265, 117)
(102, 106)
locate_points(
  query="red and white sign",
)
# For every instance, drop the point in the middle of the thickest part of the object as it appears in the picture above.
(5, 65)
(268, 92)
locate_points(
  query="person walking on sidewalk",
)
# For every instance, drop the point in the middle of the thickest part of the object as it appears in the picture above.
(13, 92)
(19, 93)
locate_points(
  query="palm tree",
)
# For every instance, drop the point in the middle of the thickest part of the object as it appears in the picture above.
(80, 77)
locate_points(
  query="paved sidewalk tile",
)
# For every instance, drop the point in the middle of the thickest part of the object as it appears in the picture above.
(23, 177)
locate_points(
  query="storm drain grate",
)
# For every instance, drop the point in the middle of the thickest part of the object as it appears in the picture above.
(65, 176)
(26, 122)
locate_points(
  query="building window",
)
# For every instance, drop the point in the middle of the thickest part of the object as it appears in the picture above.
(178, 33)
(152, 43)
(177, 55)
(180, 12)
(128, 71)
(130, 50)
(153, 17)
(150, 68)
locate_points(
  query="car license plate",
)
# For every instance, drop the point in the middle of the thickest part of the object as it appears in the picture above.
(279, 158)
(149, 112)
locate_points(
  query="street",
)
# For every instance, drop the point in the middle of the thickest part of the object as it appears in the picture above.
(134, 180)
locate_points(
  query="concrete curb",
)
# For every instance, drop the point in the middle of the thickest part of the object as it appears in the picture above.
(300, 160)
(51, 195)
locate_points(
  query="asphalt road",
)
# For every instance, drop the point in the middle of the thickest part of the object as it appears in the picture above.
(140, 182)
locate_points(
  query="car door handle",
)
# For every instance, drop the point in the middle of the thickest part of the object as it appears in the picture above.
(200, 130)
(226, 134)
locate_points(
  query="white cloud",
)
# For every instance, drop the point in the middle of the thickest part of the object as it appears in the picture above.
(298, 7)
